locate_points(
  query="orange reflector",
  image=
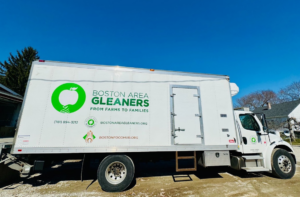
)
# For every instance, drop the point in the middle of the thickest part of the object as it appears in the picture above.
(151, 69)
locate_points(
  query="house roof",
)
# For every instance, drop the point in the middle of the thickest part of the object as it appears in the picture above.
(278, 110)
(9, 95)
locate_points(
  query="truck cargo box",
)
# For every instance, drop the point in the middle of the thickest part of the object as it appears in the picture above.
(81, 108)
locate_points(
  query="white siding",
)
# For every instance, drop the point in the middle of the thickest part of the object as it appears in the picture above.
(296, 113)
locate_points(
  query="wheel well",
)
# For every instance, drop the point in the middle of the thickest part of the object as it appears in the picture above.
(288, 150)
(284, 148)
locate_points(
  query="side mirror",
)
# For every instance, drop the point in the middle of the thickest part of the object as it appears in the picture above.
(260, 132)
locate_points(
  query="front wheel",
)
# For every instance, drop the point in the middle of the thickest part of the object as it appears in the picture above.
(115, 173)
(283, 164)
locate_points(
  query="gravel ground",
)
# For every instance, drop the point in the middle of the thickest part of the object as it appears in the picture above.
(156, 179)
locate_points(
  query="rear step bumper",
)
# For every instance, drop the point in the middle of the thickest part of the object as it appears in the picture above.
(15, 164)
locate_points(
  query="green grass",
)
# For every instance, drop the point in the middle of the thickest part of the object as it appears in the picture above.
(296, 142)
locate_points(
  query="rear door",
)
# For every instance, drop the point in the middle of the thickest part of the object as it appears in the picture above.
(186, 115)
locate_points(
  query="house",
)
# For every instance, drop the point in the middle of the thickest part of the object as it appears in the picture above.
(278, 115)
(10, 106)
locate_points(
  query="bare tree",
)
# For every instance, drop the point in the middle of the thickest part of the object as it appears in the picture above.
(276, 124)
(257, 99)
(290, 93)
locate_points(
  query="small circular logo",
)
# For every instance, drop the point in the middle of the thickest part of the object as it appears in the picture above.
(90, 121)
(68, 98)
(253, 140)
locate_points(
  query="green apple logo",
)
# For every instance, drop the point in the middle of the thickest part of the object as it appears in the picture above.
(68, 98)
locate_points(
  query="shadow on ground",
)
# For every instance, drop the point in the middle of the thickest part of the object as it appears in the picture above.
(72, 171)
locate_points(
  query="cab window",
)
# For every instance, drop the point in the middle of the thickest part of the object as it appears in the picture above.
(248, 122)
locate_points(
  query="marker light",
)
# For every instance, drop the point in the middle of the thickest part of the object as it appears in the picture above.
(41, 60)
(151, 69)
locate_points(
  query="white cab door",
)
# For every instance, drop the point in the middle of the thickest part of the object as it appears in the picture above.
(186, 116)
(253, 139)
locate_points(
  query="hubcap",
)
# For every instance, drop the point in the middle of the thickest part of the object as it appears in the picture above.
(115, 172)
(284, 164)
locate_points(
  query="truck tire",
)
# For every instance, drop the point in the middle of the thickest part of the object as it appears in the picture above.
(115, 173)
(283, 165)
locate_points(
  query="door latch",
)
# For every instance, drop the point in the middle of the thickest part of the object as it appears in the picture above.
(197, 115)
(179, 129)
(173, 114)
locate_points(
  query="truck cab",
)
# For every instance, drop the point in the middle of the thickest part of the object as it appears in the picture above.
(258, 149)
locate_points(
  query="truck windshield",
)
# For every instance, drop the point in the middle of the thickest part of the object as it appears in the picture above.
(248, 122)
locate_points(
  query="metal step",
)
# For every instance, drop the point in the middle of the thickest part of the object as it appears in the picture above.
(186, 157)
(255, 169)
(252, 157)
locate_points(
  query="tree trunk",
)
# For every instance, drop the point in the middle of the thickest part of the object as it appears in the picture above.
(292, 122)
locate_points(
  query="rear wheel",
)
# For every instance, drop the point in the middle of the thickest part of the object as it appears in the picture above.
(115, 173)
(283, 164)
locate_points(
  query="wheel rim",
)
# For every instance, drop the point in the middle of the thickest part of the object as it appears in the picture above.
(115, 172)
(284, 163)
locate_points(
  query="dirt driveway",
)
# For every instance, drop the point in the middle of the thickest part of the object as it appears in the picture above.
(156, 179)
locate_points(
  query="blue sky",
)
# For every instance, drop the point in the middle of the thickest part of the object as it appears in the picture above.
(256, 43)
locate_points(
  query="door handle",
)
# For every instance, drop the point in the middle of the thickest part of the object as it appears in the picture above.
(179, 129)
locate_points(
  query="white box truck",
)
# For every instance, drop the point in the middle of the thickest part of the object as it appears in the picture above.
(122, 114)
